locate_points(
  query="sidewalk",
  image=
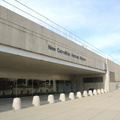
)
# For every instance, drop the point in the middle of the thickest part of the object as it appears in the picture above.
(101, 107)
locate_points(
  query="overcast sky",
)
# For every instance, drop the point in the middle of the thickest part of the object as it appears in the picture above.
(95, 21)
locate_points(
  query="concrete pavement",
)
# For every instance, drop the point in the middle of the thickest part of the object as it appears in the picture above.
(6, 103)
(101, 107)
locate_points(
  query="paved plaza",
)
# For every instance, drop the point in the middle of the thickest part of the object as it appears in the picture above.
(100, 107)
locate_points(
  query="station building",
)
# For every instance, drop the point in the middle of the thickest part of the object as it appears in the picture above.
(36, 60)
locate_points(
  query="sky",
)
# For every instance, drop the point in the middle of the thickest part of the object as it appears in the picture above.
(95, 21)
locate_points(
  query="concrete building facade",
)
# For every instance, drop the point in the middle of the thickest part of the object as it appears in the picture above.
(36, 60)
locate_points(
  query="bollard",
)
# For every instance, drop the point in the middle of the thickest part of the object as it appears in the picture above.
(102, 91)
(17, 104)
(71, 96)
(90, 93)
(62, 97)
(79, 95)
(98, 91)
(36, 101)
(51, 99)
(1, 93)
(94, 92)
(105, 91)
(85, 94)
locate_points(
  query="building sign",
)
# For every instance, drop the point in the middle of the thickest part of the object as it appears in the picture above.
(66, 53)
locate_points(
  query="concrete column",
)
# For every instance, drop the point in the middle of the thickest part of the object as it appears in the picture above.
(107, 78)
(79, 83)
(54, 86)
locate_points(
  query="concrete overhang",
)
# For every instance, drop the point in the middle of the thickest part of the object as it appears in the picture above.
(17, 59)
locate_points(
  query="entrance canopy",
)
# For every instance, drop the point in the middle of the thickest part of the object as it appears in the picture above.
(16, 59)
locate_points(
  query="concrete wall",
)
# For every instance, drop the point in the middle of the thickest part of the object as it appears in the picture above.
(86, 86)
(96, 86)
(21, 33)
(16, 74)
(113, 78)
